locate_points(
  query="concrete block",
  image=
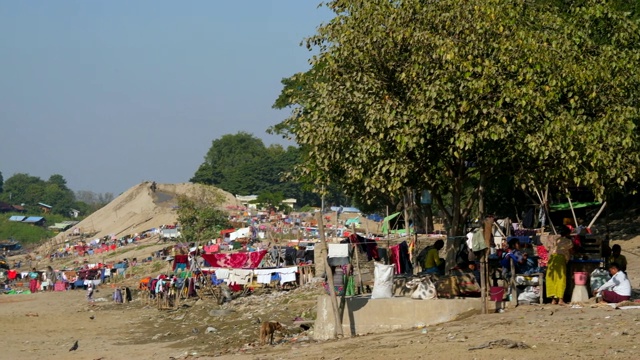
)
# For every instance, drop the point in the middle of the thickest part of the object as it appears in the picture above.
(363, 315)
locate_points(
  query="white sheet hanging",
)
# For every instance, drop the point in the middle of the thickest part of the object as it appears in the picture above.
(263, 276)
(288, 274)
(222, 274)
(338, 250)
(240, 276)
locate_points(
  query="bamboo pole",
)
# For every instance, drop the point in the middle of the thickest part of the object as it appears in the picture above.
(332, 290)
(543, 203)
(575, 219)
(597, 215)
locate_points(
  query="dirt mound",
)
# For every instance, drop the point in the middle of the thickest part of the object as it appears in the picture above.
(139, 209)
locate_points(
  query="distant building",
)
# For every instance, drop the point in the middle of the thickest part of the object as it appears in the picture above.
(247, 201)
(35, 220)
(289, 202)
(5, 208)
(74, 213)
(45, 208)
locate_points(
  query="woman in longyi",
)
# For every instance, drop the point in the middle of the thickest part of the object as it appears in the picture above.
(560, 248)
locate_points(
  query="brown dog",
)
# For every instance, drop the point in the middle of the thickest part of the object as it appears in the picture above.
(267, 329)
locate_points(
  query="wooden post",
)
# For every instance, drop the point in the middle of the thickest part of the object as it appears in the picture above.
(575, 219)
(597, 215)
(358, 264)
(406, 216)
(332, 290)
(488, 230)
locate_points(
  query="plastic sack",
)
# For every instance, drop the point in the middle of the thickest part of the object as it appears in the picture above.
(598, 278)
(383, 281)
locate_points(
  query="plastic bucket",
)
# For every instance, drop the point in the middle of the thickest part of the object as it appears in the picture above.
(580, 278)
(496, 293)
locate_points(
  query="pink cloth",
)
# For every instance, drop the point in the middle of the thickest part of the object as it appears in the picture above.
(543, 256)
(210, 249)
(237, 260)
(59, 286)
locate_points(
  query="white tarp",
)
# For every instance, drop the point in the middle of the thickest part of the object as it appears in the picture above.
(240, 233)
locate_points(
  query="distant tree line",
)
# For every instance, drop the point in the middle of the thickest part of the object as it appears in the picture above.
(27, 190)
(242, 165)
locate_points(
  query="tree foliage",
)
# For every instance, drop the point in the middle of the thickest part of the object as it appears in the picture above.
(200, 217)
(241, 164)
(30, 190)
(444, 95)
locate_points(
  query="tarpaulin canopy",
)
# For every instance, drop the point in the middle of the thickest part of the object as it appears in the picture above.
(385, 222)
(355, 221)
(576, 205)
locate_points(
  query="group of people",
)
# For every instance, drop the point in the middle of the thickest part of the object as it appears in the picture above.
(561, 248)
(45, 280)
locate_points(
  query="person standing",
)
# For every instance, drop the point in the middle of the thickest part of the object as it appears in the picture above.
(560, 248)
(33, 282)
(90, 287)
(617, 289)
(51, 278)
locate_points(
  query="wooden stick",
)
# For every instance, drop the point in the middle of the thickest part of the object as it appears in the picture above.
(358, 264)
(575, 219)
(543, 203)
(332, 290)
(597, 215)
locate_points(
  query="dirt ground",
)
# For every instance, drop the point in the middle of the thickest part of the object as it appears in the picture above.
(45, 326)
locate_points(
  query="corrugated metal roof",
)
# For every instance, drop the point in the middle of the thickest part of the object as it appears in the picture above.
(17, 218)
(45, 205)
(33, 219)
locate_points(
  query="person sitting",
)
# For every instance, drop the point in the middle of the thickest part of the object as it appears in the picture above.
(617, 289)
(617, 258)
(514, 253)
(433, 264)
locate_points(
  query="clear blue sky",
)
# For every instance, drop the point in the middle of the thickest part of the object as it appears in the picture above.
(111, 93)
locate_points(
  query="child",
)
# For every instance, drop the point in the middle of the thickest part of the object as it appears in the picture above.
(90, 292)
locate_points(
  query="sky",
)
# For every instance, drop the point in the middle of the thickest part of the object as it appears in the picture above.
(113, 93)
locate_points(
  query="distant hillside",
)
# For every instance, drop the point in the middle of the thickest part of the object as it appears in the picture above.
(139, 209)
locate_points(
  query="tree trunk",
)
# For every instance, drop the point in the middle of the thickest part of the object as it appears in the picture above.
(428, 218)
(481, 209)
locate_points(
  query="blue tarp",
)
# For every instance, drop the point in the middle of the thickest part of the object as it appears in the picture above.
(345, 209)
(17, 218)
(33, 219)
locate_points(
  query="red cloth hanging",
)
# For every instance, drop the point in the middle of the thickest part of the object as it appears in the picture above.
(180, 259)
(394, 257)
(236, 260)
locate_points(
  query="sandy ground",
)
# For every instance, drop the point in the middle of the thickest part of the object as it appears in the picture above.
(126, 331)
(140, 331)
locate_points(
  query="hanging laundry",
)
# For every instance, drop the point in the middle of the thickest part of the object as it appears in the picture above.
(288, 274)
(222, 274)
(236, 260)
(263, 275)
(338, 254)
(338, 250)
(240, 276)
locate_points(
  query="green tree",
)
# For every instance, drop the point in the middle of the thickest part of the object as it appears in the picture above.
(230, 162)
(241, 164)
(1, 182)
(270, 200)
(22, 188)
(200, 217)
(448, 95)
